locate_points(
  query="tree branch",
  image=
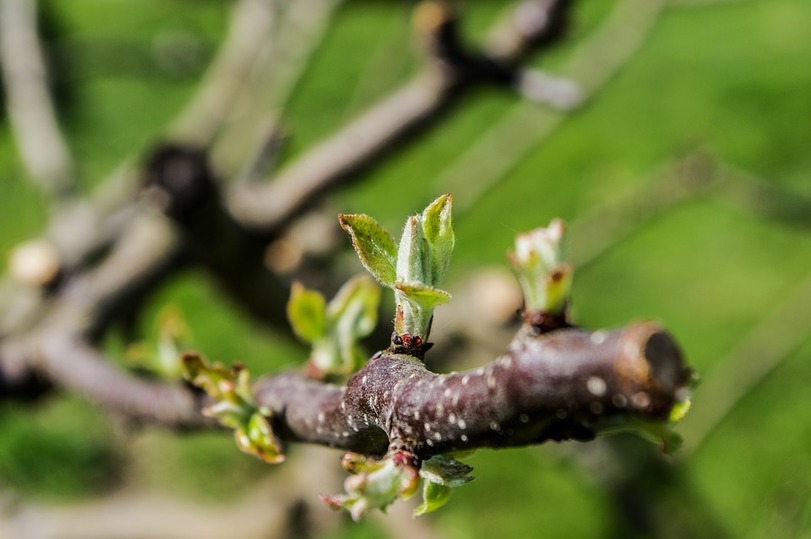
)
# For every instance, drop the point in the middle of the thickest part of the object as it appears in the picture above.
(398, 117)
(33, 118)
(81, 369)
(566, 384)
(252, 23)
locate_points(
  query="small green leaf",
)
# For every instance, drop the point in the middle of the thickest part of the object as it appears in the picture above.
(434, 496)
(437, 228)
(679, 410)
(426, 296)
(306, 311)
(355, 306)
(545, 277)
(256, 438)
(376, 484)
(446, 471)
(211, 378)
(440, 474)
(375, 246)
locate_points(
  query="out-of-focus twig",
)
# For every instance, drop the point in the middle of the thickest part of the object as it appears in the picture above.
(748, 364)
(251, 133)
(30, 108)
(675, 182)
(397, 117)
(501, 147)
(268, 511)
(251, 26)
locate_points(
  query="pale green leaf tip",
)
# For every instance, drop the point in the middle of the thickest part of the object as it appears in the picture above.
(306, 312)
(544, 275)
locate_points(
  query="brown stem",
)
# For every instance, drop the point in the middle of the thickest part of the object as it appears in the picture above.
(565, 384)
(80, 368)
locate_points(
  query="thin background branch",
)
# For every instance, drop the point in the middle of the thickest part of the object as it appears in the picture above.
(41, 145)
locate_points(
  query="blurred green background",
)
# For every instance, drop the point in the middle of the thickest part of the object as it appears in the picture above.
(684, 177)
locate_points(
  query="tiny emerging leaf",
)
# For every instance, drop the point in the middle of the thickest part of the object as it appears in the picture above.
(446, 471)
(440, 474)
(233, 405)
(306, 311)
(375, 246)
(356, 303)
(545, 277)
(434, 496)
(376, 484)
(335, 329)
(427, 296)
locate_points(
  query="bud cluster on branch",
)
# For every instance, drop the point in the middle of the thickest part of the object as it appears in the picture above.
(394, 416)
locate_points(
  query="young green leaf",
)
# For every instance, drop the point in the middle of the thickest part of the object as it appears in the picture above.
(440, 474)
(355, 306)
(306, 311)
(437, 229)
(375, 246)
(545, 277)
(427, 297)
(434, 496)
(256, 438)
(411, 253)
(234, 406)
(376, 484)
(446, 471)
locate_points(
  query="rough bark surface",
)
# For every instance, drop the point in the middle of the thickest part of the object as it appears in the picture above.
(565, 384)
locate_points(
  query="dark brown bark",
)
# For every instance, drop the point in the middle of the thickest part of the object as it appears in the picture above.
(565, 384)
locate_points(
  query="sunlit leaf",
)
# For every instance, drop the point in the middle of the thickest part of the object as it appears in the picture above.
(375, 246)
(306, 311)
(428, 297)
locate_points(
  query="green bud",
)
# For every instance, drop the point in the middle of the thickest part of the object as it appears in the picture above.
(306, 311)
(438, 233)
(545, 277)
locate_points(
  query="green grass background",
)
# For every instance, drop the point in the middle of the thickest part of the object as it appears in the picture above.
(730, 79)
